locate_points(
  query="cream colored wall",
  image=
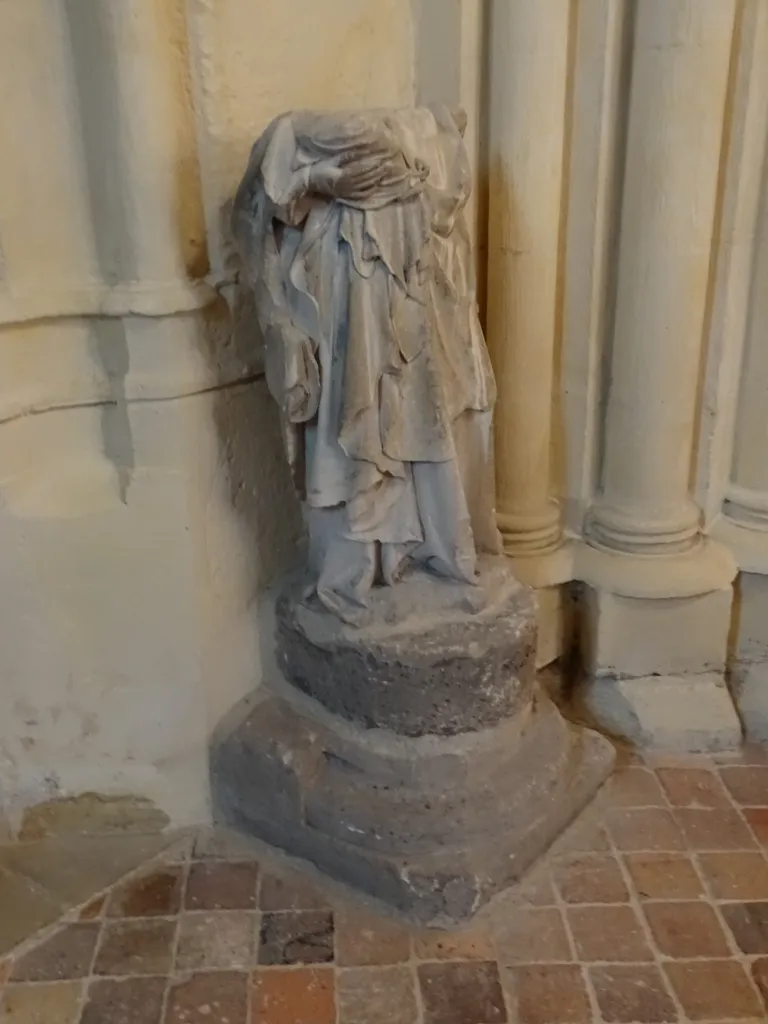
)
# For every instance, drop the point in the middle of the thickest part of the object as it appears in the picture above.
(144, 504)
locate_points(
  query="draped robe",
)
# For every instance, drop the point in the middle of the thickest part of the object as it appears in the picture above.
(374, 350)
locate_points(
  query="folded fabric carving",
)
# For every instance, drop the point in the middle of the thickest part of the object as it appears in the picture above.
(352, 233)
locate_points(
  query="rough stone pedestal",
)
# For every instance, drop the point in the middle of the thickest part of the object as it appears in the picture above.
(415, 759)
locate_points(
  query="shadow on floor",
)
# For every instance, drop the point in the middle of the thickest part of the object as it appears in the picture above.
(42, 881)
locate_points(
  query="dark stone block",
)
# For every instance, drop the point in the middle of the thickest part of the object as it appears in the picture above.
(437, 868)
(468, 668)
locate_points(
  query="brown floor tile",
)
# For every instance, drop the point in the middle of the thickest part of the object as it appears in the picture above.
(686, 930)
(66, 955)
(548, 994)
(72, 869)
(584, 837)
(608, 933)
(136, 947)
(461, 993)
(304, 996)
(529, 935)
(628, 993)
(749, 924)
(221, 886)
(748, 753)
(747, 785)
(26, 909)
(713, 989)
(591, 878)
(224, 940)
(155, 894)
(465, 944)
(179, 851)
(736, 875)
(220, 843)
(42, 1004)
(377, 995)
(130, 1001)
(693, 787)
(6, 966)
(296, 937)
(93, 909)
(650, 828)
(537, 889)
(364, 939)
(659, 876)
(757, 819)
(759, 970)
(290, 892)
(209, 998)
(719, 829)
(634, 786)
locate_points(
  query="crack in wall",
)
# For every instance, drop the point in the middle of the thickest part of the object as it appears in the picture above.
(137, 400)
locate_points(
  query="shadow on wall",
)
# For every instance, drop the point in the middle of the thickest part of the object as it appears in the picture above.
(98, 97)
(250, 471)
(251, 457)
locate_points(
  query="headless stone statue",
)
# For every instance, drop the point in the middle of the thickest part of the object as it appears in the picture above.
(351, 228)
(400, 742)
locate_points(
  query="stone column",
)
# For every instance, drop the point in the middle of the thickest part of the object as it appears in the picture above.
(529, 85)
(744, 525)
(529, 78)
(659, 595)
(747, 497)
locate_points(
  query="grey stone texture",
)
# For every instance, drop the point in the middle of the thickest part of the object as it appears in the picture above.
(435, 772)
(456, 658)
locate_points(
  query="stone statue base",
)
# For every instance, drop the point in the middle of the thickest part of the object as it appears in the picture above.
(416, 761)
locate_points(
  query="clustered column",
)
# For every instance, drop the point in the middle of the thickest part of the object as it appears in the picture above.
(659, 595)
(744, 525)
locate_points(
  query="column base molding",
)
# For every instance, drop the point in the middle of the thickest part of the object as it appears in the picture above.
(748, 544)
(747, 507)
(547, 569)
(617, 529)
(705, 567)
(654, 636)
(686, 714)
(531, 534)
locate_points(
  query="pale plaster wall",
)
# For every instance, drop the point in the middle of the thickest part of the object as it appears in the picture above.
(144, 505)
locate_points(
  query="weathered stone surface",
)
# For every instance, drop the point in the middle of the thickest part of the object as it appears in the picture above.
(436, 851)
(441, 658)
(415, 759)
(413, 818)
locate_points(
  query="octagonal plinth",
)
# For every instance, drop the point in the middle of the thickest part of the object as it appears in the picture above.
(439, 658)
(416, 759)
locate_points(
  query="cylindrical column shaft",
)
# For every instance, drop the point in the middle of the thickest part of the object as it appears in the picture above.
(747, 496)
(526, 153)
(680, 76)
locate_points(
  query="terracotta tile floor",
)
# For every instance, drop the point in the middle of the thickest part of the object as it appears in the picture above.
(653, 908)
